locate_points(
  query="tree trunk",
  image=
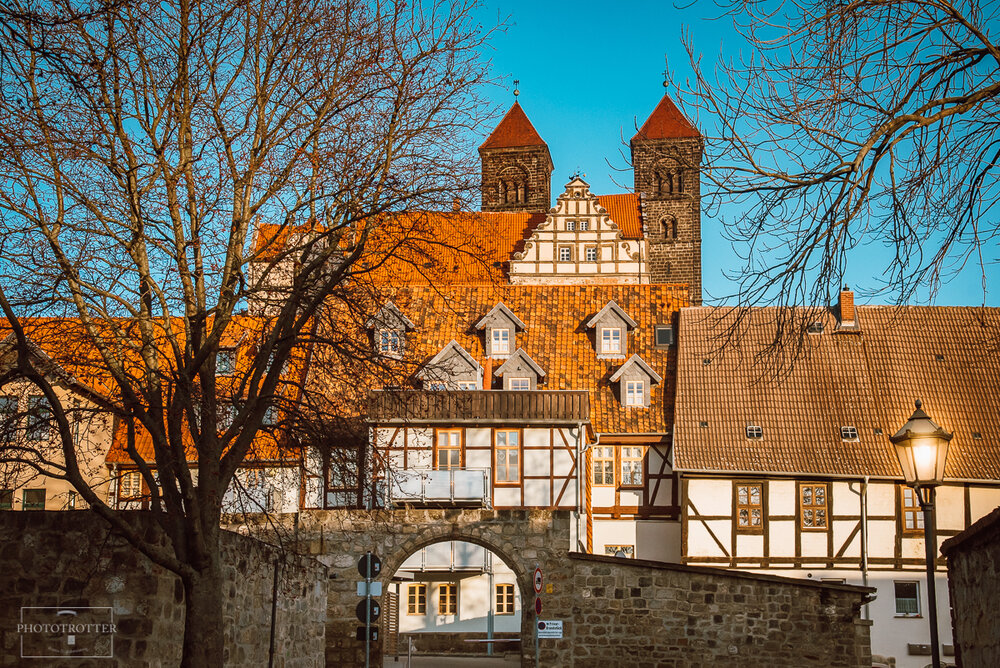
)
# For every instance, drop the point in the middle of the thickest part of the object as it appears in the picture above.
(204, 635)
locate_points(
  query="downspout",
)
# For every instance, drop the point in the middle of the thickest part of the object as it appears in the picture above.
(579, 481)
(587, 547)
(864, 541)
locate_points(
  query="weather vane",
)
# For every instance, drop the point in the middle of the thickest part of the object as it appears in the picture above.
(516, 91)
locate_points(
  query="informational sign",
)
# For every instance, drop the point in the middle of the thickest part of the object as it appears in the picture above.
(366, 588)
(550, 628)
(375, 608)
(538, 580)
(538, 606)
(369, 566)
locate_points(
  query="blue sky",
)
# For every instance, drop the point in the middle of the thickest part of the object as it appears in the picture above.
(590, 71)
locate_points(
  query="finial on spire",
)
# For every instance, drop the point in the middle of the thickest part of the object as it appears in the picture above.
(666, 72)
(516, 91)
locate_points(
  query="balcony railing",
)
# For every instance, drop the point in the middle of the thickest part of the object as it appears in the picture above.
(434, 486)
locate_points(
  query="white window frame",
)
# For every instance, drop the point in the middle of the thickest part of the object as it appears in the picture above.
(590, 253)
(584, 225)
(635, 393)
(468, 385)
(568, 252)
(526, 382)
(849, 433)
(500, 341)
(390, 342)
(896, 599)
(609, 336)
(571, 226)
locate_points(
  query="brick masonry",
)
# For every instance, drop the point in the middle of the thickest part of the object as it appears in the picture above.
(974, 587)
(71, 559)
(671, 220)
(530, 165)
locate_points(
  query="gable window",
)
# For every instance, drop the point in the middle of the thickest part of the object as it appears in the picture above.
(39, 414)
(749, 507)
(849, 433)
(635, 393)
(584, 225)
(225, 362)
(448, 598)
(505, 599)
(611, 340)
(466, 385)
(813, 506)
(913, 516)
(499, 341)
(565, 254)
(6, 499)
(448, 451)
(33, 499)
(755, 431)
(604, 466)
(571, 225)
(590, 254)
(416, 599)
(631, 466)
(520, 384)
(390, 342)
(907, 598)
(506, 459)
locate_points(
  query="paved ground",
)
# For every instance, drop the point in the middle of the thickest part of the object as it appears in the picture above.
(454, 662)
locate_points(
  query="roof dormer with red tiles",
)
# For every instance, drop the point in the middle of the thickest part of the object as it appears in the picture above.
(666, 163)
(516, 166)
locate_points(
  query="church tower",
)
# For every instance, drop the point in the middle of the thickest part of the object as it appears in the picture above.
(666, 163)
(516, 166)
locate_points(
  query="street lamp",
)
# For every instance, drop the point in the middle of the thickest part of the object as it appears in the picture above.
(922, 449)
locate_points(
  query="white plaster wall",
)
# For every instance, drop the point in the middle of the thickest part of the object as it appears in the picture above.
(658, 540)
(711, 497)
(536, 492)
(613, 532)
(478, 438)
(536, 438)
(700, 542)
(782, 535)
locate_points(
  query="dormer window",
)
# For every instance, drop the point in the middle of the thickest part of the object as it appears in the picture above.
(499, 342)
(390, 343)
(520, 373)
(452, 368)
(634, 379)
(611, 325)
(225, 362)
(520, 384)
(499, 328)
(388, 328)
(755, 432)
(635, 391)
(611, 340)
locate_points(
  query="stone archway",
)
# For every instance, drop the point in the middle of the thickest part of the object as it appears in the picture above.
(521, 538)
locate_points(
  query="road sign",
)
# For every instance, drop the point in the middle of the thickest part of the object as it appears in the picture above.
(364, 588)
(369, 566)
(538, 606)
(538, 580)
(550, 628)
(376, 610)
(359, 633)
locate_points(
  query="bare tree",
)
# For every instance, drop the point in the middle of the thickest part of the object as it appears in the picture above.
(854, 123)
(140, 147)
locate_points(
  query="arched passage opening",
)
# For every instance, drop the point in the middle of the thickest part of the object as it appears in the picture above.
(456, 596)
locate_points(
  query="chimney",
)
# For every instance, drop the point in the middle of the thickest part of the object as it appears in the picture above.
(845, 309)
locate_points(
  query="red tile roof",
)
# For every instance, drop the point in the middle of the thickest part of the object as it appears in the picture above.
(554, 338)
(868, 380)
(514, 130)
(624, 210)
(666, 122)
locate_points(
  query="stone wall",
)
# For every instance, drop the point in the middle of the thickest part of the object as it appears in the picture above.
(71, 559)
(974, 586)
(644, 613)
(529, 164)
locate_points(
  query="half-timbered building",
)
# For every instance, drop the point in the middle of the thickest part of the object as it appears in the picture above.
(784, 457)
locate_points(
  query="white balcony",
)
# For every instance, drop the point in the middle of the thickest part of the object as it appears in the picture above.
(435, 487)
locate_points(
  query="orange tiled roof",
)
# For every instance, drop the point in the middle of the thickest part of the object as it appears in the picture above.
(513, 130)
(666, 122)
(554, 338)
(624, 210)
(868, 380)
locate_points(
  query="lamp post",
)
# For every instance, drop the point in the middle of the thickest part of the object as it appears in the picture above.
(922, 449)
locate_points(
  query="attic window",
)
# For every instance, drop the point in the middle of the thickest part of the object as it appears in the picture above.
(389, 342)
(703, 424)
(706, 361)
(976, 436)
(815, 328)
(849, 433)
(664, 336)
(878, 431)
(939, 358)
(225, 362)
(755, 431)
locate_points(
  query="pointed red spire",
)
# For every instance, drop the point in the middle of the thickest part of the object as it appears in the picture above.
(514, 130)
(666, 122)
